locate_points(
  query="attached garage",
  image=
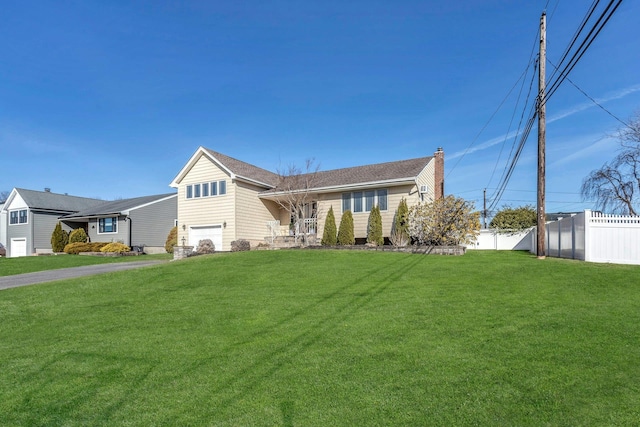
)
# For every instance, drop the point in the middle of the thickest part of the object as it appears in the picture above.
(213, 232)
(18, 247)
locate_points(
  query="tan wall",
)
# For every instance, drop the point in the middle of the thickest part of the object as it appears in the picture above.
(361, 219)
(427, 177)
(207, 210)
(253, 213)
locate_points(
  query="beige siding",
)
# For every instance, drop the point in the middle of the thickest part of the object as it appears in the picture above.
(361, 219)
(214, 210)
(427, 177)
(253, 213)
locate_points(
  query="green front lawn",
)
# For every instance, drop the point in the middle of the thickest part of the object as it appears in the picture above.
(327, 338)
(31, 264)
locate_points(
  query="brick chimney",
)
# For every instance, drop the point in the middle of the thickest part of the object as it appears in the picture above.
(439, 173)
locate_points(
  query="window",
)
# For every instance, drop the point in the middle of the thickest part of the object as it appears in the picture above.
(207, 189)
(18, 217)
(369, 198)
(365, 201)
(382, 199)
(357, 201)
(346, 202)
(108, 225)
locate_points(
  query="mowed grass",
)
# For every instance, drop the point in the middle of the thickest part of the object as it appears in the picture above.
(327, 338)
(31, 264)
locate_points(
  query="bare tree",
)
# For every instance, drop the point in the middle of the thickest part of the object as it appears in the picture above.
(4, 195)
(294, 194)
(616, 185)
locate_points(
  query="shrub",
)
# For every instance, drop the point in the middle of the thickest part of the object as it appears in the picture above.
(78, 235)
(329, 235)
(374, 229)
(205, 246)
(59, 238)
(345, 233)
(401, 222)
(115, 247)
(240, 245)
(172, 240)
(77, 247)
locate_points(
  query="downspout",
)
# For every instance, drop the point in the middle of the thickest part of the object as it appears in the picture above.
(128, 218)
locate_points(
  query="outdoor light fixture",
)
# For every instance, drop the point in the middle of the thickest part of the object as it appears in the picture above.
(184, 227)
(224, 224)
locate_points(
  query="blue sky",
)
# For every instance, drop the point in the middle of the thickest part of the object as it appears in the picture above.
(109, 99)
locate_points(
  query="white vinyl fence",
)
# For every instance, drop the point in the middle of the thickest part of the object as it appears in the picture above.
(587, 236)
(492, 240)
(595, 237)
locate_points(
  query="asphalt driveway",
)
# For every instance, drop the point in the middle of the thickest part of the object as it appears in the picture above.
(7, 282)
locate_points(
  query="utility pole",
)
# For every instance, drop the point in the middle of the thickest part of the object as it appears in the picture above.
(542, 136)
(484, 210)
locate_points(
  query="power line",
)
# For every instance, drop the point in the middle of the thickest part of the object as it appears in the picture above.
(592, 100)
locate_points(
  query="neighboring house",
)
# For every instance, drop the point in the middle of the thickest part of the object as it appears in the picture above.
(32, 215)
(225, 199)
(3, 226)
(141, 222)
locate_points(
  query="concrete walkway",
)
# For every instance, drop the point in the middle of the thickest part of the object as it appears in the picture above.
(14, 281)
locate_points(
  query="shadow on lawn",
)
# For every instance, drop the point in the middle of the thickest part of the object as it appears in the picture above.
(250, 376)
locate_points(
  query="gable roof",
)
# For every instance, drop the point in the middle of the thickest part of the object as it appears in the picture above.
(402, 170)
(53, 202)
(119, 207)
(388, 172)
(237, 169)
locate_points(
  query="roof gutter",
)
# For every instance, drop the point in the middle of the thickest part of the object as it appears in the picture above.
(335, 188)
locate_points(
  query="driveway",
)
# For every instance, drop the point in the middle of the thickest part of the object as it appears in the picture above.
(14, 281)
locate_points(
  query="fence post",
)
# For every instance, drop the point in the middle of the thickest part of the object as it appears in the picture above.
(587, 237)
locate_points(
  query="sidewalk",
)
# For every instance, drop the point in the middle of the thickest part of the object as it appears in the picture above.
(14, 281)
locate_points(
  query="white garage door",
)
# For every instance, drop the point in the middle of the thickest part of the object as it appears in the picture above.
(18, 247)
(213, 232)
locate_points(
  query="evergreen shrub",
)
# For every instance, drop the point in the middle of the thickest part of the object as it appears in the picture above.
(172, 240)
(330, 233)
(115, 247)
(374, 229)
(345, 232)
(59, 238)
(78, 236)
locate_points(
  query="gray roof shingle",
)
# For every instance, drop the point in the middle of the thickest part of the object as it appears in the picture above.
(44, 200)
(244, 169)
(117, 206)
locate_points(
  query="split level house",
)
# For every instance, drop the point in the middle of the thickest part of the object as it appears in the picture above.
(31, 216)
(225, 199)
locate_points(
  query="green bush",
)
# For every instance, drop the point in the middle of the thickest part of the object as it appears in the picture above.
(401, 220)
(78, 235)
(77, 247)
(329, 236)
(115, 247)
(59, 238)
(374, 229)
(172, 240)
(345, 233)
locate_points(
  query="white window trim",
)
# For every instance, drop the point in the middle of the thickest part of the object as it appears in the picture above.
(18, 211)
(363, 202)
(209, 185)
(108, 232)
